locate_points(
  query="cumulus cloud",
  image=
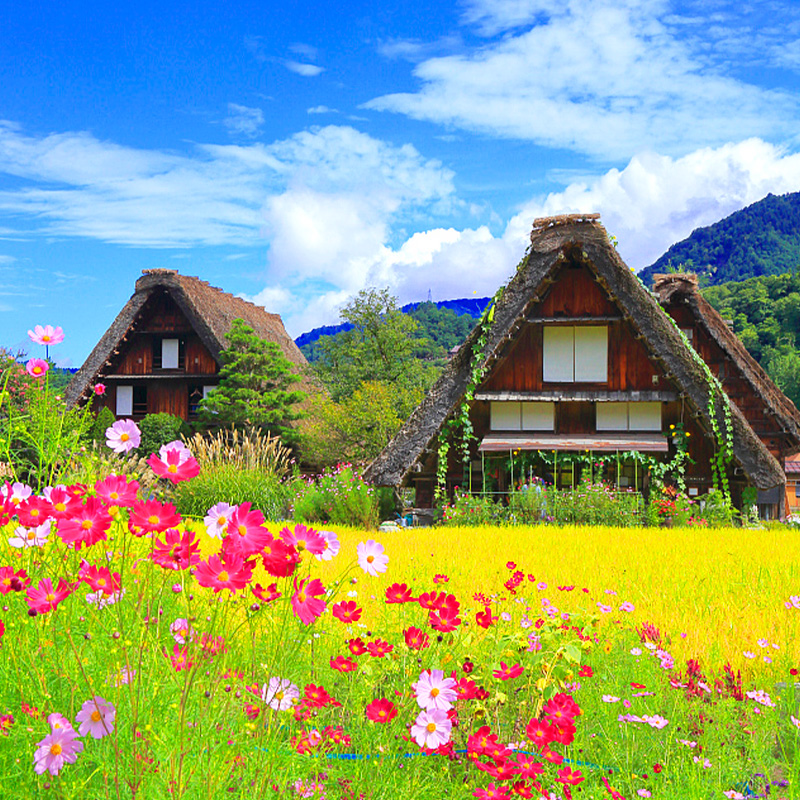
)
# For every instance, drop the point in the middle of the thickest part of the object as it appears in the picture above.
(607, 78)
(243, 121)
(306, 70)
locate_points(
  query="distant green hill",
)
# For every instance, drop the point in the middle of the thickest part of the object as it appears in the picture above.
(762, 239)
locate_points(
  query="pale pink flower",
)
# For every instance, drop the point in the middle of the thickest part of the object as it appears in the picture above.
(181, 630)
(760, 696)
(795, 721)
(604, 608)
(627, 606)
(19, 492)
(371, 557)
(218, 518)
(46, 335)
(96, 717)
(432, 729)
(123, 436)
(31, 537)
(59, 747)
(58, 722)
(332, 546)
(656, 721)
(37, 367)
(176, 446)
(610, 698)
(434, 691)
(280, 694)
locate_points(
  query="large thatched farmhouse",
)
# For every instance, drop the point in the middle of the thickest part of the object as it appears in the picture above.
(161, 354)
(577, 356)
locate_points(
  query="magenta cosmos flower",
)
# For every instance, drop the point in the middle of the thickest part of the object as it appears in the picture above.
(371, 557)
(46, 335)
(305, 602)
(175, 463)
(434, 691)
(37, 367)
(123, 436)
(96, 717)
(56, 749)
(432, 729)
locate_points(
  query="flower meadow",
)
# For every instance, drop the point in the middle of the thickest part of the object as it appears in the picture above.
(148, 655)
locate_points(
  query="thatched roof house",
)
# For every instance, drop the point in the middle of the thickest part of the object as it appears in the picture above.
(162, 351)
(572, 283)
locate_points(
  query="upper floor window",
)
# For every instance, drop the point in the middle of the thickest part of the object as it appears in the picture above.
(522, 416)
(575, 354)
(169, 353)
(629, 416)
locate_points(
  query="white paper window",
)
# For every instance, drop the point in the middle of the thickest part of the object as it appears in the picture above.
(644, 416)
(506, 416)
(628, 416)
(538, 416)
(575, 354)
(612, 416)
(559, 354)
(591, 354)
(207, 391)
(169, 354)
(124, 401)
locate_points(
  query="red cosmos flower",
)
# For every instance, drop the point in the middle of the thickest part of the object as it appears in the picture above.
(528, 766)
(278, 558)
(444, 621)
(213, 645)
(440, 579)
(416, 639)
(87, 525)
(569, 777)
(399, 593)
(180, 658)
(468, 666)
(303, 538)
(481, 741)
(99, 579)
(116, 491)
(615, 795)
(357, 646)
(466, 689)
(63, 503)
(563, 733)
(381, 710)
(318, 697)
(177, 551)
(34, 511)
(346, 611)
(561, 708)
(44, 597)
(492, 792)
(246, 534)
(552, 756)
(266, 595)
(642, 686)
(432, 601)
(484, 618)
(232, 573)
(151, 516)
(379, 648)
(343, 664)
(306, 603)
(11, 581)
(251, 712)
(506, 673)
(2, 631)
(539, 732)
(174, 465)
(502, 770)
(585, 672)
(521, 789)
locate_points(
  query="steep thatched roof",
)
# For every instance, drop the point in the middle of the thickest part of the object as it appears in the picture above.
(209, 310)
(683, 289)
(555, 240)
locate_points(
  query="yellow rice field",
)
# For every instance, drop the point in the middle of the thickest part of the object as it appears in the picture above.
(724, 589)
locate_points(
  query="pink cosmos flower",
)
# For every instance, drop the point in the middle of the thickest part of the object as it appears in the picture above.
(217, 519)
(31, 537)
(306, 603)
(115, 490)
(123, 436)
(434, 691)
(303, 538)
(432, 729)
(231, 573)
(37, 367)
(46, 335)
(246, 534)
(506, 673)
(100, 579)
(332, 546)
(44, 597)
(280, 694)
(176, 464)
(96, 717)
(58, 722)
(181, 630)
(177, 550)
(99, 389)
(87, 525)
(56, 749)
(627, 606)
(371, 557)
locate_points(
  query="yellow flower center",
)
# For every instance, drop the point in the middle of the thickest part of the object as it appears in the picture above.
(434, 692)
(61, 506)
(370, 559)
(430, 727)
(153, 519)
(86, 524)
(124, 437)
(221, 520)
(300, 544)
(279, 695)
(34, 512)
(31, 535)
(101, 581)
(50, 597)
(55, 749)
(301, 598)
(114, 496)
(45, 338)
(172, 468)
(95, 716)
(223, 576)
(242, 529)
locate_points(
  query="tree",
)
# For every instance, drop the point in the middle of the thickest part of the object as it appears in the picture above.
(255, 385)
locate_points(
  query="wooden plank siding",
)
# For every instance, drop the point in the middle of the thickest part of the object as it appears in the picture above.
(198, 360)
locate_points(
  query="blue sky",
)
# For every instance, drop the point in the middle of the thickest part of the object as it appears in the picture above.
(297, 155)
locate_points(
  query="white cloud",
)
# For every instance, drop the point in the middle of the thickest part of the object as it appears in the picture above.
(76, 185)
(243, 120)
(306, 70)
(321, 110)
(606, 77)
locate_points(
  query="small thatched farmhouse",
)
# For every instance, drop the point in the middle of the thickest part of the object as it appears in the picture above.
(577, 356)
(161, 353)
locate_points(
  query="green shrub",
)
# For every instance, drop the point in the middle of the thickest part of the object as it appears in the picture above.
(228, 483)
(105, 419)
(595, 504)
(160, 429)
(529, 505)
(339, 496)
(473, 509)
